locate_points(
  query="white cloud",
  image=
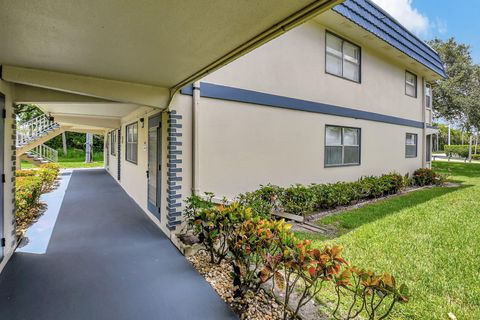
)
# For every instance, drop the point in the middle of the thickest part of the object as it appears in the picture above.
(406, 14)
(441, 26)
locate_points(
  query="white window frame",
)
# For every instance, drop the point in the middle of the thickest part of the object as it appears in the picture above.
(113, 143)
(414, 84)
(343, 57)
(133, 143)
(428, 89)
(343, 145)
(411, 144)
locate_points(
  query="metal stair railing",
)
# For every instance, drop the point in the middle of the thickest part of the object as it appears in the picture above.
(44, 153)
(33, 129)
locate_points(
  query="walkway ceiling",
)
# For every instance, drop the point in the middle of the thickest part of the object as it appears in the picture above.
(135, 52)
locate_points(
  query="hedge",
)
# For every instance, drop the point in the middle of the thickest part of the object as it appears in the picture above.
(30, 184)
(28, 191)
(459, 150)
(303, 200)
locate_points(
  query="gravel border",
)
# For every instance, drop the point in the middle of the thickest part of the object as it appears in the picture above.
(258, 306)
(264, 305)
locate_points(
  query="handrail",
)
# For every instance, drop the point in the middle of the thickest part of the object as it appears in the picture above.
(34, 129)
(45, 153)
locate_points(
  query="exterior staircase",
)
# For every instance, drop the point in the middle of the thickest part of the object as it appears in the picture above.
(40, 155)
(30, 138)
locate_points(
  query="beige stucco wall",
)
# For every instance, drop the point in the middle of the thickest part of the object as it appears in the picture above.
(133, 176)
(244, 145)
(293, 65)
(8, 203)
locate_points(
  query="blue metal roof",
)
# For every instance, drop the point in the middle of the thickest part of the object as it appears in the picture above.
(375, 20)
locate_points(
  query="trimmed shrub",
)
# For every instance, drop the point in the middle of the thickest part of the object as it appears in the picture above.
(30, 184)
(263, 200)
(51, 166)
(394, 182)
(332, 195)
(255, 247)
(425, 176)
(48, 177)
(298, 199)
(212, 223)
(456, 150)
(28, 191)
(25, 173)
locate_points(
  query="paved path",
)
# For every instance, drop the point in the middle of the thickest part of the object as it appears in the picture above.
(105, 260)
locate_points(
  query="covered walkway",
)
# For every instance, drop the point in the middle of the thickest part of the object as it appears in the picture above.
(106, 260)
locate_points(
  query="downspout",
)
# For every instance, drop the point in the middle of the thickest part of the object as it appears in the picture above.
(195, 152)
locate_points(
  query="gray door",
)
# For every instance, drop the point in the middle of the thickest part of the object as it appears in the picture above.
(2, 135)
(154, 164)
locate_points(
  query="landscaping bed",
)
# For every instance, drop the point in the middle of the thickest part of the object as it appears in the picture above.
(249, 255)
(260, 306)
(263, 270)
(314, 222)
(428, 238)
(30, 185)
(308, 203)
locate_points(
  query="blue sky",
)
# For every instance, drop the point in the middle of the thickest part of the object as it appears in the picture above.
(439, 18)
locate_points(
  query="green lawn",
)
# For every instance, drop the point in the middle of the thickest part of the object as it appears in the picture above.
(74, 159)
(429, 239)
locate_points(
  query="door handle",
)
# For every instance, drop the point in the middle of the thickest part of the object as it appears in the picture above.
(148, 174)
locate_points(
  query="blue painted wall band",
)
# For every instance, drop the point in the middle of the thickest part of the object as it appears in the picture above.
(215, 91)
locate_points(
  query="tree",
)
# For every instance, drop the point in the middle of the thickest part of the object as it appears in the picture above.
(457, 98)
(27, 112)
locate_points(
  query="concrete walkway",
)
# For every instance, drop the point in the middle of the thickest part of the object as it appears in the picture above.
(105, 260)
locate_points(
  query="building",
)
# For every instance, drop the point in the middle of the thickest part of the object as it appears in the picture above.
(343, 95)
(286, 113)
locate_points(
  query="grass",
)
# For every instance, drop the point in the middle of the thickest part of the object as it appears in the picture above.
(75, 158)
(429, 239)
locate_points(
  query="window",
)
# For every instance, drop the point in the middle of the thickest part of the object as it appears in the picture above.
(113, 143)
(411, 145)
(342, 58)
(428, 96)
(132, 143)
(342, 146)
(410, 84)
